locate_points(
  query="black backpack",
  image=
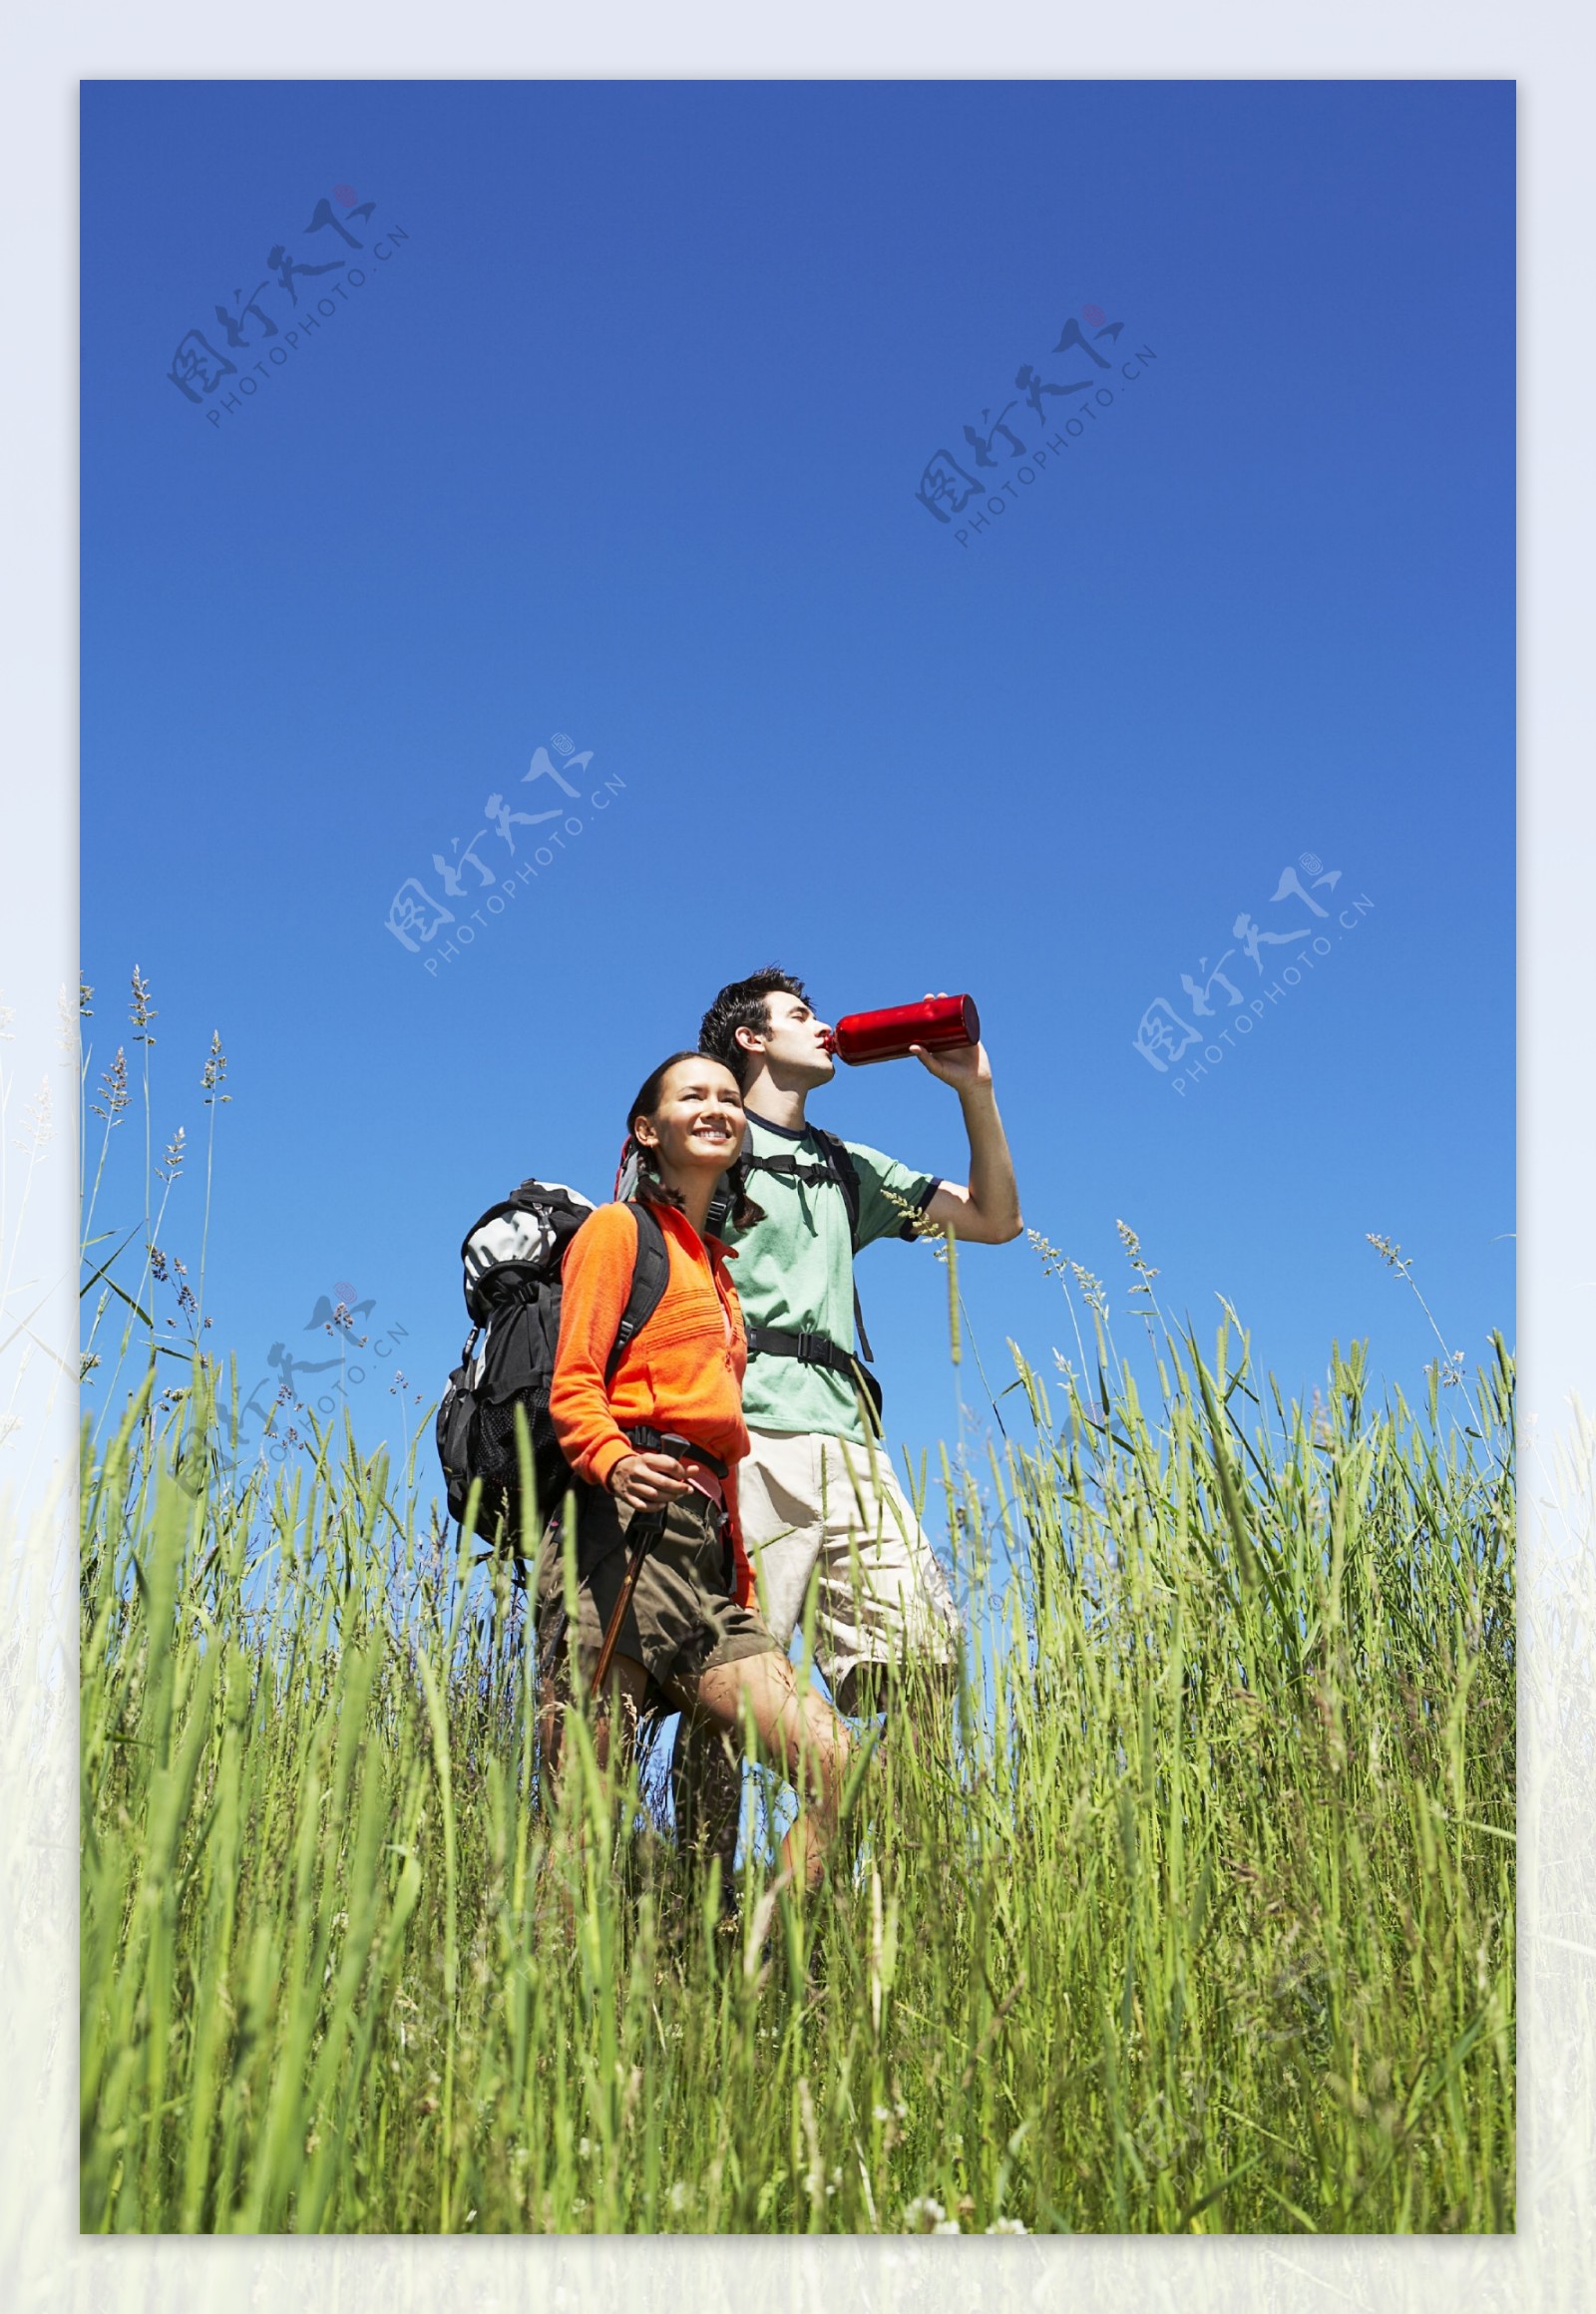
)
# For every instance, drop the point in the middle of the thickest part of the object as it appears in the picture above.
(512, 1259)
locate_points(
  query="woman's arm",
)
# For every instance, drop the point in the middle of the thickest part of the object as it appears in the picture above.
(597, 1274)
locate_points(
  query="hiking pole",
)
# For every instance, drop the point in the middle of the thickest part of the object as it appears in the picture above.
(646, 1525)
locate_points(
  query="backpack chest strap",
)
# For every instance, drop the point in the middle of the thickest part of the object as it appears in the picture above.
(791, 1168)
(811, 1348)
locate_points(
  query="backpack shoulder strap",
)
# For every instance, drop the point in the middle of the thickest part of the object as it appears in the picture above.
(845, 1173)
(651, 1272)
(841, 1169)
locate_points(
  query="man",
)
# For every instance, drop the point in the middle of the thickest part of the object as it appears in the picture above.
(819, 1500)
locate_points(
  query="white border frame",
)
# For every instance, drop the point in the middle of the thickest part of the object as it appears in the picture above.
(1549, 50)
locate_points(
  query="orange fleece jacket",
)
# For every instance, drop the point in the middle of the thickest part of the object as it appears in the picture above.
(681, 1371)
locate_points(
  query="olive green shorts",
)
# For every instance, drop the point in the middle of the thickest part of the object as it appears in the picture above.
(682, 1619)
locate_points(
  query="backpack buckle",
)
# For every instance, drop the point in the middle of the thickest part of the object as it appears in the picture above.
(811, 1348)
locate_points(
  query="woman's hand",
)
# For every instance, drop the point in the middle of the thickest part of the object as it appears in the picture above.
(647, 1481)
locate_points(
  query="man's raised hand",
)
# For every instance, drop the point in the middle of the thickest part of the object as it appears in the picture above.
(960, 1065)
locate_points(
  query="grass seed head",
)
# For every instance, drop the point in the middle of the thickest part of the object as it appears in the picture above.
(112, 1089)
(141, 1011)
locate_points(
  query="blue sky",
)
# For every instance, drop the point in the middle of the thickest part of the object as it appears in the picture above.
(622, 443)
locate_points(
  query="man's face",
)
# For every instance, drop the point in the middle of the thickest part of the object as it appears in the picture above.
(793, 1046)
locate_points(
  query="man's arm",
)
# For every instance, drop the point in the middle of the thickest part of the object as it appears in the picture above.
(986, 1213)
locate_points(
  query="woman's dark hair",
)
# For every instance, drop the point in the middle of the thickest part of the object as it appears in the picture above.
(744, 1212)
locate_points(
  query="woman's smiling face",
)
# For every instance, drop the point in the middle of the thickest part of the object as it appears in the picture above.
(698, 1126)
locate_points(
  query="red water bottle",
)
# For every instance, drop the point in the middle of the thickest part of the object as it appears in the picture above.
(936, 1024)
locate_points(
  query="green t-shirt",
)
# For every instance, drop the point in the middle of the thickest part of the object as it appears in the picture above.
(794, 1272)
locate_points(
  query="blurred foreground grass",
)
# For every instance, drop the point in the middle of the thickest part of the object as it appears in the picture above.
(1200, 1916)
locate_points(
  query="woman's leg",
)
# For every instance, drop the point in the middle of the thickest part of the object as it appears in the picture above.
(614, 1727)
(615, 1723)
(802, 1732)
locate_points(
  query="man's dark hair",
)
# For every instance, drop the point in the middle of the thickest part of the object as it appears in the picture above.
(741, 1004)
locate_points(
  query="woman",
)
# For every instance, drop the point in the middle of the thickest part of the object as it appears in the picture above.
(691, 1638)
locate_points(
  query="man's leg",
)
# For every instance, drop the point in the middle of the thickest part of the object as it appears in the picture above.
(920, 1693)
(778, 1501)
(706, 1792)
(891, 1629)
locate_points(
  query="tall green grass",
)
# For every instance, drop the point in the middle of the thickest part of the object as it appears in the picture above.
(1196, 1913)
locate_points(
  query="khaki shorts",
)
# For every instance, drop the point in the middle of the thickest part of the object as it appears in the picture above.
(682, 1620)
(823, 1512)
